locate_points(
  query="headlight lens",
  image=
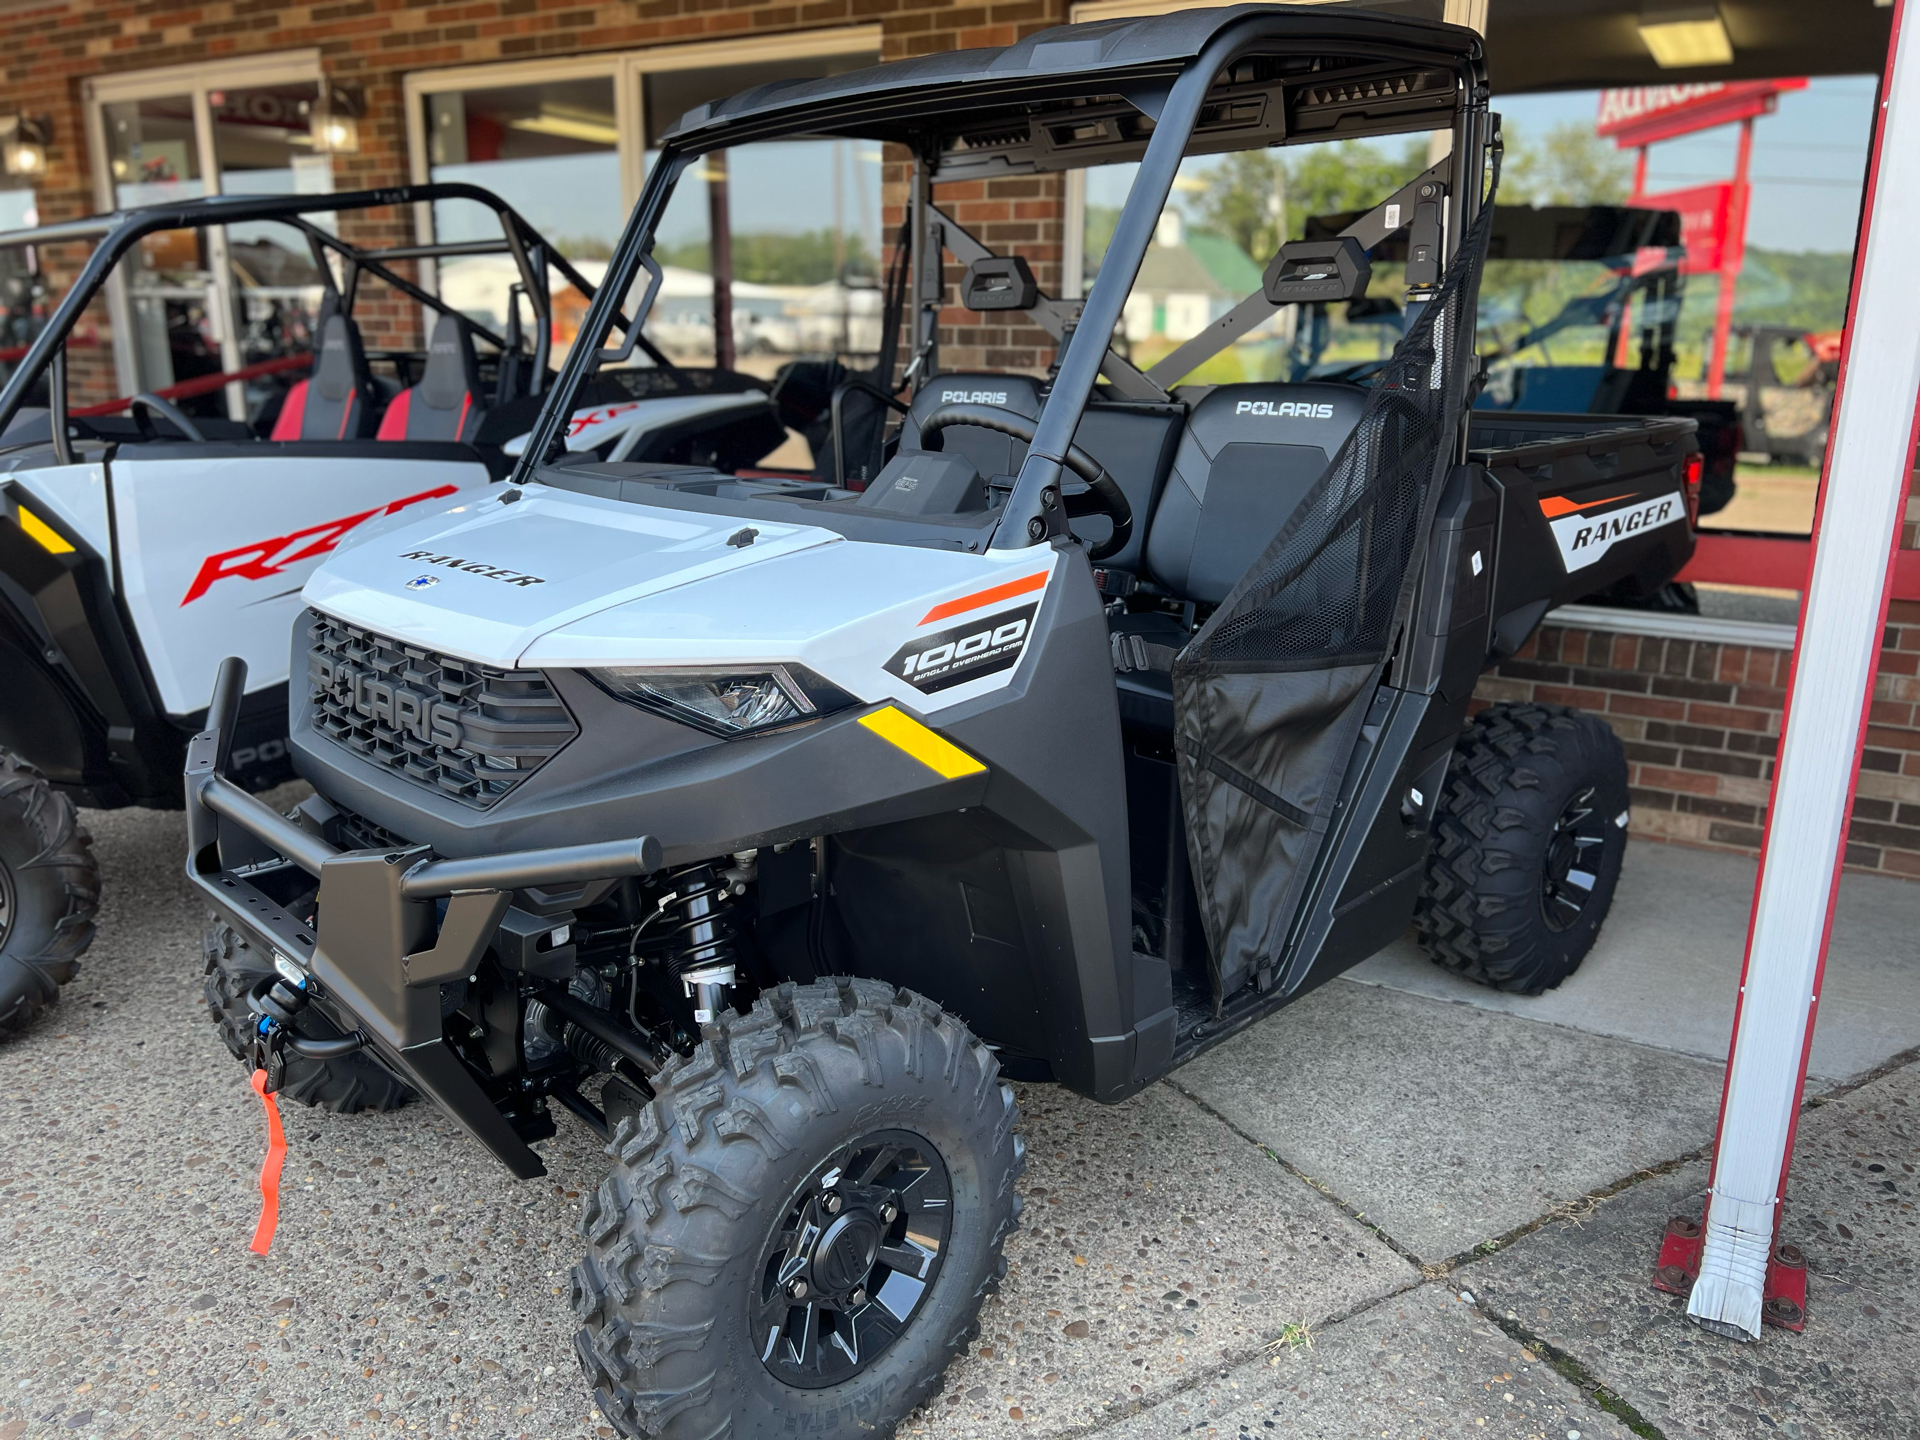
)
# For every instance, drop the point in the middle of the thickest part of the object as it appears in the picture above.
(726, 702)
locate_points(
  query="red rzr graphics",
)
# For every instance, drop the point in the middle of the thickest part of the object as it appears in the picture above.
(266, 558)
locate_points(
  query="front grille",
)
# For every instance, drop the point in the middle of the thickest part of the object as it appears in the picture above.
(468, 731)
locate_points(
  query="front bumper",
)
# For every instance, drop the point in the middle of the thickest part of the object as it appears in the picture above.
(374, 958)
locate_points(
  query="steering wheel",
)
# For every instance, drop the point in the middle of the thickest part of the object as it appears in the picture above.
(1103, 491)
(169, 412)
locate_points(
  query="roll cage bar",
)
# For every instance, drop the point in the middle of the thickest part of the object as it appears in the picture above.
(1176, 73)
(119, 232)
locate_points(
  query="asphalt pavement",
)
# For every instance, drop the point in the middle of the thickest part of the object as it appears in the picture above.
(1391, 1210)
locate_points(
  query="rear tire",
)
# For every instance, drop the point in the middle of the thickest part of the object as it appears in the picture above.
(1527, 845)
(348, 1085)
(49, 892)
(690, 1324)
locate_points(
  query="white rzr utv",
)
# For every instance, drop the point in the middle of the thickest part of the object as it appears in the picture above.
(144, 539)
(767, 828)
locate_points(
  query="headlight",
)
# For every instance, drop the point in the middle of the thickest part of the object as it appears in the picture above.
(725, 702)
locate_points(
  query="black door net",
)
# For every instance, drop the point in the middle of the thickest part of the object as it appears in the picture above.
(1269, 696)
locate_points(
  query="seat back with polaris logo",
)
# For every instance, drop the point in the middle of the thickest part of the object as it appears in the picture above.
(1248, 457)
(989, 452)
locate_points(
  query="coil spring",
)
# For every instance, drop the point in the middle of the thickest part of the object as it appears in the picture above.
(704, 925)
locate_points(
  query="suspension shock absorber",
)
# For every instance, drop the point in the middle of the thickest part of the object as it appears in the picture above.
(704, 928)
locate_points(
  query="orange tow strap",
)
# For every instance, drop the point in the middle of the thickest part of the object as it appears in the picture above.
(269, 1169)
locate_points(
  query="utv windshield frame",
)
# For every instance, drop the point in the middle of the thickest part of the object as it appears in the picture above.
(118, 233)
(1153, 90)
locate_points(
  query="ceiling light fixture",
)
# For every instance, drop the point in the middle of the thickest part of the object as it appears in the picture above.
(1685, 39)
(567, 125)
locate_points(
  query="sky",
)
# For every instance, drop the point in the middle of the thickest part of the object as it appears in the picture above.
(1809, 157)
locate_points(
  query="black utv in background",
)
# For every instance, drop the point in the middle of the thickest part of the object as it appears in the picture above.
(766, 826)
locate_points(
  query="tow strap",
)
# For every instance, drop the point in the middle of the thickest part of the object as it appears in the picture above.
(270, 1168)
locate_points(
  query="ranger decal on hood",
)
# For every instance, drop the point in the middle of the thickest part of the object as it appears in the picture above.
(474, 567)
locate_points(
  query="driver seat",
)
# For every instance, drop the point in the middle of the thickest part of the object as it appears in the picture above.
(336, 401)
(989, 452)
(1247, 458)
(445, 405)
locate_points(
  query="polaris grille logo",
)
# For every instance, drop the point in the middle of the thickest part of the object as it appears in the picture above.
(1281, 409)
(427, 718)
(973, 397)
(1584, 539)
(471, 567)
(966, 652)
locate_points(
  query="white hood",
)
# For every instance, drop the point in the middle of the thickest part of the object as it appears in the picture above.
(485, 579)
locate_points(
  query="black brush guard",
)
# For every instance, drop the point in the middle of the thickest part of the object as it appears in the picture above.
(374, 958)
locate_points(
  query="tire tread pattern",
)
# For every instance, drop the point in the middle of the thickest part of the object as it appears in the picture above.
(699, 1146)
(37, 959)
(1489, 822)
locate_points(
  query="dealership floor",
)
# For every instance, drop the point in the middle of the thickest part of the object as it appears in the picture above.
(1404, 1207)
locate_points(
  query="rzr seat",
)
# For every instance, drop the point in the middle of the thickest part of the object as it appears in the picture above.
(1248, 457)
(445, 405)
(336, 402)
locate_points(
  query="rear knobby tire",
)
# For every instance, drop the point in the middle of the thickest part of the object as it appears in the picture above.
(346, 1086)
(671, 1293)
(1535, 803)
(49, 892)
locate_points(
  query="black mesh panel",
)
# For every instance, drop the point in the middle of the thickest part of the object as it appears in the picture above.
(1270, 694)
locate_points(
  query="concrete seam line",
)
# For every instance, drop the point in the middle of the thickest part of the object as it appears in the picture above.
(1570, 1368)
(1325, 1192)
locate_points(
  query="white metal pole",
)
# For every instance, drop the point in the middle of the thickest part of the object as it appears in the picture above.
(1856, 531)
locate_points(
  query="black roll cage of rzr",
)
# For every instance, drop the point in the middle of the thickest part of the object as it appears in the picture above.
(1173, 96)
(118, 233)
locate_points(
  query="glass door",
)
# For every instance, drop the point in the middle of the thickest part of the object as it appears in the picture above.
(196, 304)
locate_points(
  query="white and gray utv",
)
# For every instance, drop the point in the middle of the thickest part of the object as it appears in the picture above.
(769, 829)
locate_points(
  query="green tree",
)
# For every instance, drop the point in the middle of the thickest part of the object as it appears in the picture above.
(1243, 192)
(766, 257)
(1570, 165)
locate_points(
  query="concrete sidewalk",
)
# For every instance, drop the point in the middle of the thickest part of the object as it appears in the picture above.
(1381, 1212)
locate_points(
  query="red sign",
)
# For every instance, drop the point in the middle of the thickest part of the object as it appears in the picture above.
(1704, 211)
(1643, 114)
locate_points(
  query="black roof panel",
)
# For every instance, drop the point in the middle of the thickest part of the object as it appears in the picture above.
(898, 100)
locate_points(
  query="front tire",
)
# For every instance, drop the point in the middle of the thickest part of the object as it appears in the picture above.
(49, 892)
(1527, 846)
(755, 1259)
(347, 1086)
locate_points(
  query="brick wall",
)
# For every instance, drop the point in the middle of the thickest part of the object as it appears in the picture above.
(1700, 722)
(371, 45)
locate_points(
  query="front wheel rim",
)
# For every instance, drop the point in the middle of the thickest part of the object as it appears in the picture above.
(854, 1260)
(1575, 850)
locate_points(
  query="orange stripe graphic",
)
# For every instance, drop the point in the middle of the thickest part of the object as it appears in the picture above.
(986, 597)
(1554, 506)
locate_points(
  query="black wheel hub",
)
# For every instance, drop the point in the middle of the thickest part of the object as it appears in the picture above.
(854, 1259)
(1574, 849)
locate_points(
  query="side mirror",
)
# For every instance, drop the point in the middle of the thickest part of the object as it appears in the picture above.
(999, 282)
(1316, 270)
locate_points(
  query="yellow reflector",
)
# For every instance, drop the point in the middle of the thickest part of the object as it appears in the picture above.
(942, 756)
(44, 534)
